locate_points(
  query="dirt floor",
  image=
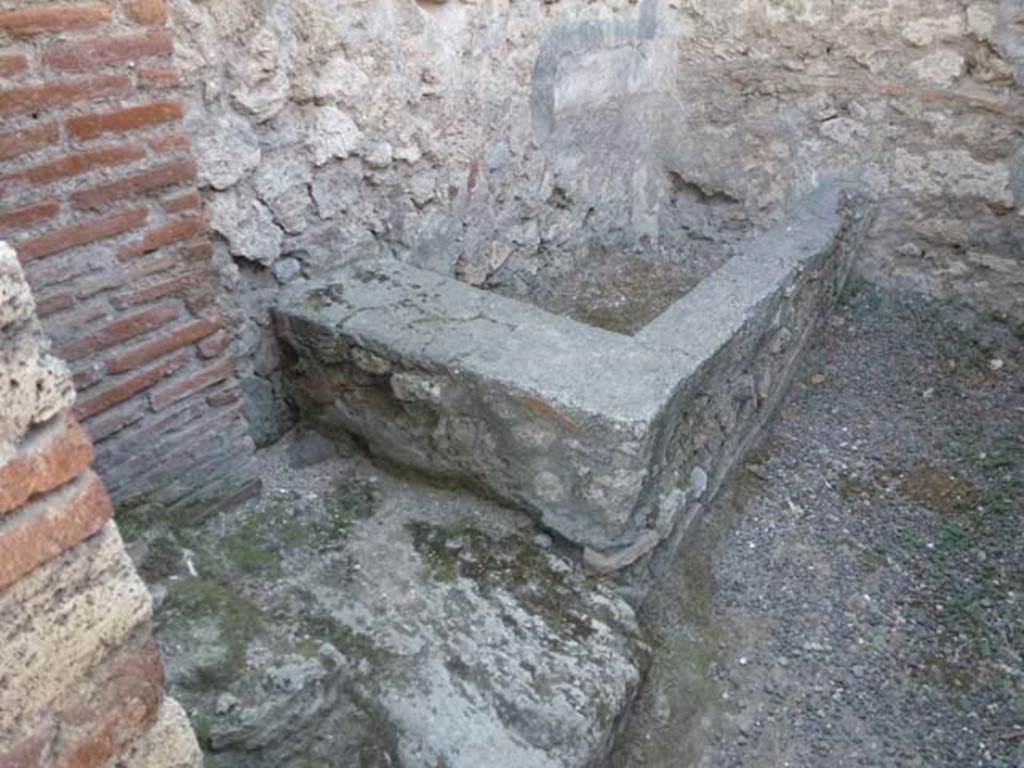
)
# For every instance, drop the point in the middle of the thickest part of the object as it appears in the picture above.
(855, 596)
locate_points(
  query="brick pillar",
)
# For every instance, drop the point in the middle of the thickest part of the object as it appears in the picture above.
(81, 683)
(98, 197)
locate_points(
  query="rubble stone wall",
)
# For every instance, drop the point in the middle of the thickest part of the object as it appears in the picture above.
(98, 196)
(81, 683)
(484, 137)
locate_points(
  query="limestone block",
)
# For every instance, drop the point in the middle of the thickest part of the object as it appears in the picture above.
(61, 620)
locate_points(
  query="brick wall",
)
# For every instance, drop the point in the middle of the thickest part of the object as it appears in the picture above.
(81, 683)
(98, 196)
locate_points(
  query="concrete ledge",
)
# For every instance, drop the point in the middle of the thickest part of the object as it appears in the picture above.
(608, 439)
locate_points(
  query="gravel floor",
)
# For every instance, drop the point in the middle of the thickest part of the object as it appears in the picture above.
(855, 596)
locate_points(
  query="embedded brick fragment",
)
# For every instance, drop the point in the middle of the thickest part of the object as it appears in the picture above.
(122, 329)
(74, 165)
(91, 126)
(176, 339)
(28, 215)
(188, 385)
(137, 184)
(146, 11)
(12, 64)
(50, 456)
(82, 233)
(130, 386)
(56, 17)
(27, 140)
(80, 56)
(59, 94)
(50, 524)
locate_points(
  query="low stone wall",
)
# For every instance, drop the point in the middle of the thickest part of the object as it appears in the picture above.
(82, 681)
(610, 440)
(98, 196)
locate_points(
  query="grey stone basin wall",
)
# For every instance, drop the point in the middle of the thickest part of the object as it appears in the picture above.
(609, 440)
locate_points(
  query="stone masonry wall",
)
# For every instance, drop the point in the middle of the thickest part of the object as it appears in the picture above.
(81, 683)
(98, 196)
(484, 137)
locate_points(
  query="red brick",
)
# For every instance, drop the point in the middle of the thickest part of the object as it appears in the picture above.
(180, 229)
(91, 126)
(54, 18)
(188, 385)
(128, 689)
(51, 455)
(173, 285)
(176, 339)
(170, 142)
(28, 215)
(82, 162)
(27, 140)
(36, 97)
(162, 176)
(50, 524)
(122, 329)
(114, 421)
(159, 77)
(53, 304)
(227, 397)
(86, 377)
(12, 63)
(73, 322)
(85, 289)
(103, 51)
(199, 252)
(146, 11)
(187, 201)
(81, 233)
(129, 387)
(212, 347)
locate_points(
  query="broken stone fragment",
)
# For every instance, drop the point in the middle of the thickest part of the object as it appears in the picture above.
(226, 149)
(248, 227)
(332, 134)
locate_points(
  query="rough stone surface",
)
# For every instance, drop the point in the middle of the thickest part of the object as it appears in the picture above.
(352, 618)
(512, 144)
(599, 434)
(101, 602)
(34, 385)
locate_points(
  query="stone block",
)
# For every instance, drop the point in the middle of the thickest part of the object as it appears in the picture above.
(60, 623)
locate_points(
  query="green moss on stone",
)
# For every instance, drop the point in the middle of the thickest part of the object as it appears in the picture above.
(230, 622)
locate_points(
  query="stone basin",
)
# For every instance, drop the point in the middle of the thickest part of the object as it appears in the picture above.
(611, 441)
